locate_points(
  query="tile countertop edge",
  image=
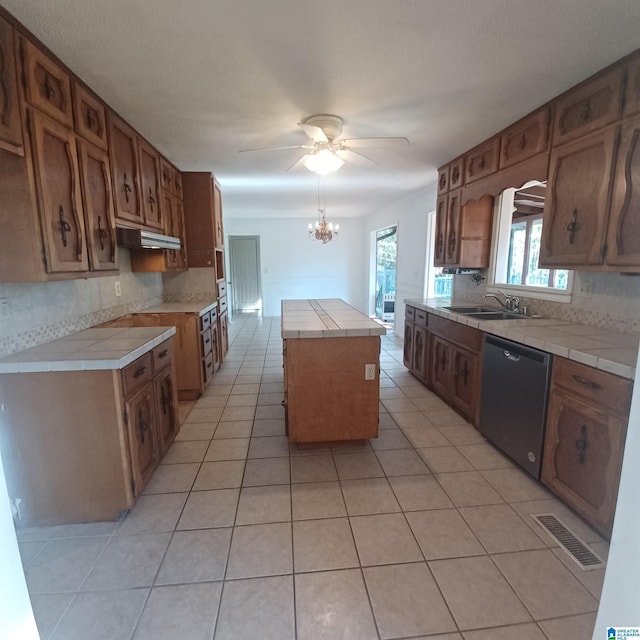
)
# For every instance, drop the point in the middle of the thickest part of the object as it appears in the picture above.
(81, 360)
(516, 330)
(181, 307)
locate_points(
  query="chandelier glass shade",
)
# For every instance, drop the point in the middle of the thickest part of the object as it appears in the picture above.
(322, 230)
(323, 161)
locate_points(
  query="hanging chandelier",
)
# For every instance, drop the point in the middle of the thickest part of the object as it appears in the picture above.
(323, 230)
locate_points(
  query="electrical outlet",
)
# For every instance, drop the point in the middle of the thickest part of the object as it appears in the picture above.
(585, 290)
(369, 371)
(118, 289)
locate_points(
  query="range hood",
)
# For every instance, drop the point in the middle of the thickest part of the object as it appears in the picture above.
(130, 238)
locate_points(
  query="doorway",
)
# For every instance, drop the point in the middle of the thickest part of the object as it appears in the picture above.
(244, 263)
(386, 261)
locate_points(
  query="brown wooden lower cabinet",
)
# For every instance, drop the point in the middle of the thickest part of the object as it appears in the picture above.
(80, 446)
(584, 442)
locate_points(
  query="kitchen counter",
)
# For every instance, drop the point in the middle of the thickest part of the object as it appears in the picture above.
(89, 350)
(325, 318)
(600, 348)
(201, 308)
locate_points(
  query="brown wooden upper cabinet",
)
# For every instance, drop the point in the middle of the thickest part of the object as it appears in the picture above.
(632, 87)
(97, 200)
(443, 180)
(177, 183)
(576, 207)
(217, 212)
(440, 231)
(590, 106)
(166, 174)
(10, 120)
(456, 173)
(150, 186)
(124, 170)
(90, 115)
(482, 161)
(452, 235)
(525, 139)
(59, 198)
(47, 85)
(623, 238)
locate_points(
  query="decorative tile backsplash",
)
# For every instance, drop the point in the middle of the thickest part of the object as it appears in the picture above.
(614, 305)
(194, 285)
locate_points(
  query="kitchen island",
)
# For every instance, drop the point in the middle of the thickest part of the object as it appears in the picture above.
(331, 371)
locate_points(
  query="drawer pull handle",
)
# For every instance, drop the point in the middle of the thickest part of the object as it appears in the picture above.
(163, 353)
(581, 444)
(138, 372)
(102, 234)
(127, 188)
(65, 227)
(151, 199)
(209, 365)
(207, 341)
(572, 227)
(586, 382)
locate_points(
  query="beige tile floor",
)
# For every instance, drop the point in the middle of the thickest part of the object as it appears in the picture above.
(422, 533)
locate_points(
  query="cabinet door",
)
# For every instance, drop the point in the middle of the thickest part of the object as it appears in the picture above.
(583, 457)
(440, 359)
(176, 176)
(632, 91)
(124, 170)
(456, 173)
(91, 119)
(166, 175)
(576, 208)
(443, 180)
(482, 161)
(420, 352)
(97, 201)
(168, 214)
(58, 185)
(224, 335)
(215, 349)
(623, 242)
(217, 214)
(407, 356)
(10, 122)
(48, 87)
(179, 232)
(590, 106)
(476, 219)
(150, 186)
(166, 404)
(440, 231)
(143, 439)
(464, 381)
(525, 139)
(452, 242)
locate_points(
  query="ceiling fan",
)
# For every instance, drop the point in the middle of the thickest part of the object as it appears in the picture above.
(326, 151)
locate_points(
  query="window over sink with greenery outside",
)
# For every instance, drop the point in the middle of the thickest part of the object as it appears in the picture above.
(518, 232)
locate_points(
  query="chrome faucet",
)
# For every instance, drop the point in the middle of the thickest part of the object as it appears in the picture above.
(511, 303)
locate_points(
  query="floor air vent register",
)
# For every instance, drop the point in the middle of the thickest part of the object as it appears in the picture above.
(569, 541)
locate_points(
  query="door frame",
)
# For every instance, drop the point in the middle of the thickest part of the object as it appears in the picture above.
(233, 306)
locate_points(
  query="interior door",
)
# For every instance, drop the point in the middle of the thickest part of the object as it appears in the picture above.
(244, 253)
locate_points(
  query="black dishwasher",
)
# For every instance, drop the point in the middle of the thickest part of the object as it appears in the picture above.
(513, 405)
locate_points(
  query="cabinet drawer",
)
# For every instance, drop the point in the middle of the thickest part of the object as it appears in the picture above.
(222, 289)
(205, 321)
(91, 119)
(596, 387)
(137, 374)
(420, 317)
(214, 316)
(206, 340)
(525, 139)
(482, 161)
(456, 173)
(162, 355)
(48, 87)
(590, 106)
(409, 313)
(222, 305)
(443, 180)
(207, 367)
(460, 334)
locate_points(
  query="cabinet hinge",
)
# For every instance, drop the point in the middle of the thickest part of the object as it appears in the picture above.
(126, 418)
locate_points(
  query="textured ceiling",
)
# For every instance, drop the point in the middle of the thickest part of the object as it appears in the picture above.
(203, 79)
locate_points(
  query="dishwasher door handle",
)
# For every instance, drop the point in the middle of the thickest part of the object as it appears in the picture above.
(511, 356)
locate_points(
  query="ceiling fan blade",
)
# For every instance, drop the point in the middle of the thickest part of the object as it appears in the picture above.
(295, 146)
(298, 162)
(375, 142)
(313, 132)
(354, 157)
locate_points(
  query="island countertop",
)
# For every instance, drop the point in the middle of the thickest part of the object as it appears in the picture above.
(325, 318)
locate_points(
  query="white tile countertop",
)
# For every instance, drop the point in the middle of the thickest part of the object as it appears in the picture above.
(91, 349)
(600, 348)
(182, 307)
(325, 318)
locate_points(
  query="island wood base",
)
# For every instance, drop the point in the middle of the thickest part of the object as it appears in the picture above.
(327, 398)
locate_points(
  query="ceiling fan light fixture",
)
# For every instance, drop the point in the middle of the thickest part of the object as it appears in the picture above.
(323, 161)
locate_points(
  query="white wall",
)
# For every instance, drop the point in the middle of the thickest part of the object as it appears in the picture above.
(16, 616)
(292, 266)
(620, 600)
(411, 216)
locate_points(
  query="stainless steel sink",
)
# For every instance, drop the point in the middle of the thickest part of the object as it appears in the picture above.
(465, 310)
(496, 315)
